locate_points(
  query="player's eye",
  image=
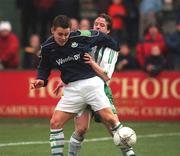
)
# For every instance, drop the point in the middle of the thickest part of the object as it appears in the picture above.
(102, 25)
(67, 34)
(60, 34)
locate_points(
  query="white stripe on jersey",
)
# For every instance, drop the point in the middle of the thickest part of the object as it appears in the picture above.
(106, 59)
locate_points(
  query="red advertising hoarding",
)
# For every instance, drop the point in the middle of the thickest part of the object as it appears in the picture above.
(140, 97)
(137, 96)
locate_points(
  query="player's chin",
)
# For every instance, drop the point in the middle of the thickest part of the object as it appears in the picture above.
(62, 43)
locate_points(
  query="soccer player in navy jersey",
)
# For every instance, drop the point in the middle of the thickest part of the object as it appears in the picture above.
(102, 60)
(65, 51)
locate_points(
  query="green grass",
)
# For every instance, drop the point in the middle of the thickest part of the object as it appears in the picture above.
(21, 130)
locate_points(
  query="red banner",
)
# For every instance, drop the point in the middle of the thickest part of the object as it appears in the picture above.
(140, 97)
(137, 96)
(18, 100)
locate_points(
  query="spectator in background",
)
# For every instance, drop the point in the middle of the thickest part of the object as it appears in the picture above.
(9, 46)
(132, 21)
(31, 53)
(118, 13)
(74, 24)
(148, 11)
(173, 44)
(152, 37)
(28, 17)
(125, 60)
(155, 62)
(84, 24)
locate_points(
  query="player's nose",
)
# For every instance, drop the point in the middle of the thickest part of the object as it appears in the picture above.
(97, 28)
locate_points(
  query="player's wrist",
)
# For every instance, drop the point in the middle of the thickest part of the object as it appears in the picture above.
(92, 63)
(43, 82)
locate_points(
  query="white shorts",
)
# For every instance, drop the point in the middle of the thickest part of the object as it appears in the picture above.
(79, 94)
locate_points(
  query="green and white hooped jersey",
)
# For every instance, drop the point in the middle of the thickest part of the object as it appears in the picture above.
(106, 58)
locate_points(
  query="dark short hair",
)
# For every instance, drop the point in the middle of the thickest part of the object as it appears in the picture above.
(107, 19)
(61, 21)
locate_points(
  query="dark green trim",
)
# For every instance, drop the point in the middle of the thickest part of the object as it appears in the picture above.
(111, 55)
(58, 146)
(108, 93)
(58, 154)
(56, 139)
(56, 132)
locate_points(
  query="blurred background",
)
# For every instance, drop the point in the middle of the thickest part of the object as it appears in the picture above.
(138, 25)
(135, 22)
(145, 85)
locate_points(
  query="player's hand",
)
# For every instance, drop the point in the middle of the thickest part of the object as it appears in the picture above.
(58, 88)
(37, 83)
(88, 59)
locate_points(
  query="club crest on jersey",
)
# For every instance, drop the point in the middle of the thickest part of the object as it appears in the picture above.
(74, 45)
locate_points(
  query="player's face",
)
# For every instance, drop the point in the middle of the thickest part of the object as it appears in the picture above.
(61, 35)
(100, 24)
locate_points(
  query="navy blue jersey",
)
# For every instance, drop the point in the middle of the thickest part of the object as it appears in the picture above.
(69, 58)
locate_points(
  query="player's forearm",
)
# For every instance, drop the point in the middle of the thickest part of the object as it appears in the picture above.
(43, 75)
(107, 41)
(100, 72)
(97, 38)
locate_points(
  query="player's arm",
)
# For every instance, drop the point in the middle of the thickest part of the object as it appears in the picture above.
(100, 72)
(44, 69)
(98, 38)
(105, 40)
(58, 88)
(108, 61)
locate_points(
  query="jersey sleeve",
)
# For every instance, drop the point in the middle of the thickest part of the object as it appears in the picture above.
(107, 41)
(44, 67)
(100, 39)
(108, 61)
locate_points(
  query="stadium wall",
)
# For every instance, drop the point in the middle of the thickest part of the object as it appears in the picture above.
(136, 95)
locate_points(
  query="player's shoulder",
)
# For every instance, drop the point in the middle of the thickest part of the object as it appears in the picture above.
(84, 33)
(48, 43)
(107, 49)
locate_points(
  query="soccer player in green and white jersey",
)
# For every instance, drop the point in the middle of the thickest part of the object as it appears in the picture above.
(103, 61)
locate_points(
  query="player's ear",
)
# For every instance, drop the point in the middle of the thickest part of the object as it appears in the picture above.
(52, 30)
